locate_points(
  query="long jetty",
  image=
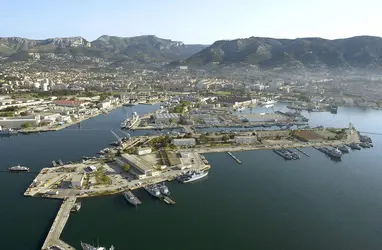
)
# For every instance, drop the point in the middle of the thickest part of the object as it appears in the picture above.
(53, 237)
(234, 157)
(302, 152)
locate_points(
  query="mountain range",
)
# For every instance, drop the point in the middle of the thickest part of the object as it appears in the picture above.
(142, 49)
(265, 53)
(313, 53)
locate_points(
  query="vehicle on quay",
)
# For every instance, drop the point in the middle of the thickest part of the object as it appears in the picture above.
(18, 168)
(131, 198)
(86, 246)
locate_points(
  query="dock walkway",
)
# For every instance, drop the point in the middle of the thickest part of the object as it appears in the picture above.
(53, 237)
(234, 157)
(168, 200)
(302, 152)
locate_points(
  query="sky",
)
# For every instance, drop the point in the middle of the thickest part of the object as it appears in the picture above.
(192, 21)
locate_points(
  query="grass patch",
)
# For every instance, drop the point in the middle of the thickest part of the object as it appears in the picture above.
(101, 177)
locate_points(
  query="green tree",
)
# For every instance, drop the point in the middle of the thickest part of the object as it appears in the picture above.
(225, 138)
(126, 167)
(170, 120)
(26, 125)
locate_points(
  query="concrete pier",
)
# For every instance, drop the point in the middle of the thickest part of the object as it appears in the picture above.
(299, 150)
(53, 237)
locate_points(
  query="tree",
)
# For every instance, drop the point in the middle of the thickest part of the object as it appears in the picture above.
(225, 138)
(170, 120)
(126, 167)
(26, 125)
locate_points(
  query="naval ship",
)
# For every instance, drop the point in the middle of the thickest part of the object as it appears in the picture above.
(131, 198)
(18, 168)
(128, 123)
(192, 176)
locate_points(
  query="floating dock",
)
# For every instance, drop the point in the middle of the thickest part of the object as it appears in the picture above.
(234, 157)
(168, 200)
(302, 152)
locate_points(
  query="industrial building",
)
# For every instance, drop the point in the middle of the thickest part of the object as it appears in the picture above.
(184, 142)
(143, 167)
(10, 122)
(166, 118)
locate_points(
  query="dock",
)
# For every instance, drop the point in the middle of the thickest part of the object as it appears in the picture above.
(234, 157)
(53, 237)
(302, 152)
(168, 200)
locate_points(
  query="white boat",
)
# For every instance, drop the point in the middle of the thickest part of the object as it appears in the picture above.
(240, 108)
(7, 131)
(268, 102)
(86, 246)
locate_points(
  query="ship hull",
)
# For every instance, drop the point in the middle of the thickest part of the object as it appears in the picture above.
(14, 170)
(196, 178)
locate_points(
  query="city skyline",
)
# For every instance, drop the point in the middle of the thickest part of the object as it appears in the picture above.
(198, 22)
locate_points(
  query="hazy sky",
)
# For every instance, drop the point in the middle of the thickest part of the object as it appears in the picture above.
(190, 21)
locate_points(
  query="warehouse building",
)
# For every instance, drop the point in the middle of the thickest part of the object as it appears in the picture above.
(166, 118)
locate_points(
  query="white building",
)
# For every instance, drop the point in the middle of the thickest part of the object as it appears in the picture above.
(105, 104)
(144, 151)
(77, 180)
(184, 142)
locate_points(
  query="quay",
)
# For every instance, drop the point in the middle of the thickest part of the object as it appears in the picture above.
(234, 157)
(53, 237)
(168, 200)
(302, 152)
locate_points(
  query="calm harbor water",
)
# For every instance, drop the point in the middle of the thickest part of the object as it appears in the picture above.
(264, 203)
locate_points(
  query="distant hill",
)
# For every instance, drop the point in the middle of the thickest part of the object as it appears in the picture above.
(142, 49)
(312, 53)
